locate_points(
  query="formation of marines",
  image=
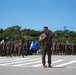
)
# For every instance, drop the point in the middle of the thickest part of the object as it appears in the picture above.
(18, 48)
(64, 49)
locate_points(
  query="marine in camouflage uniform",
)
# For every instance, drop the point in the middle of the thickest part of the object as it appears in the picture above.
(46, 40)
(62, 49)
(8, 46)
(68, 49)
(21, 47)
(1, 48)
(74, 49)
(16, 46)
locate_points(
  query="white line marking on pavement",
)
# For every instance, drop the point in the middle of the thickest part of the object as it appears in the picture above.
(12, 60)
(41, 64)
(57, 61)
(19, 62)
(27, 63)
(64, 64)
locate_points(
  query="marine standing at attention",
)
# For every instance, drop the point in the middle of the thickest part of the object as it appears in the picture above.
(47, 43)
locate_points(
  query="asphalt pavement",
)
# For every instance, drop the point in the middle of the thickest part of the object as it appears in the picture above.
(31, 65)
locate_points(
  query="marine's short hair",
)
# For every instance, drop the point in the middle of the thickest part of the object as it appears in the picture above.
(45, 27)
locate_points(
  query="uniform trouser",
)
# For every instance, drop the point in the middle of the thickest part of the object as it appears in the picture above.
(48, 52)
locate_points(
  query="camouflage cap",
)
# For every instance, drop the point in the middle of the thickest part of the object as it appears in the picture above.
(45, 27)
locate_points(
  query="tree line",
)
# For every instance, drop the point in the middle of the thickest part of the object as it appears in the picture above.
(16, 33)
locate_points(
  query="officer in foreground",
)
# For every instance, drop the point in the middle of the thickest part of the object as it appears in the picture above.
(47, 44)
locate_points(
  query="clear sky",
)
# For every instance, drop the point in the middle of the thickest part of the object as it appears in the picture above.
(35, 14)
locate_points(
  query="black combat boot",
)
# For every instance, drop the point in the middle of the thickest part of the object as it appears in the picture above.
(49, 65)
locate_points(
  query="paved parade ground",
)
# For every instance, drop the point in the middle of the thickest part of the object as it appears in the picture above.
(31, 65)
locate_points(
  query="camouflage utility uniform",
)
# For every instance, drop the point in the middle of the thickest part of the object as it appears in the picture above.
(46, 48)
